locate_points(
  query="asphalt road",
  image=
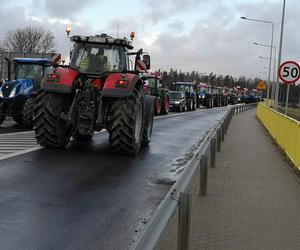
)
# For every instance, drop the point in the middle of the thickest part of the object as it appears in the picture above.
(85, 197)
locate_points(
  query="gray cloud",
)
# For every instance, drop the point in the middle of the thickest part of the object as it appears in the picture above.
(20, 20)
(62, 8)
(176, 26)
(156, 10)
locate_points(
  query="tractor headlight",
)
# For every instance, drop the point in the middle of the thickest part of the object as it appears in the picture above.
(13, 93)
(177, 102)
(203, 96)
(1, 94)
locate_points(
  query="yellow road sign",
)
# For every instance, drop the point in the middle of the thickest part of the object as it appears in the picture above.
(261, 85)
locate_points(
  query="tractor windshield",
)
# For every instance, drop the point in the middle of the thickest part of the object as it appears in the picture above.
(98, 58)
(29, 71)
(184, 88)
(176, 95)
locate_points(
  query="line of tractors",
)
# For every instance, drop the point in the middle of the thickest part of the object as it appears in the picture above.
(105, 86)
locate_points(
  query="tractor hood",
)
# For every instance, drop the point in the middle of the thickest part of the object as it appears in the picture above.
(14, 88)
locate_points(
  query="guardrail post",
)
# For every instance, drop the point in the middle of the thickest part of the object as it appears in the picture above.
(184, 221)
(219, 140)
(222, 131)
(203, 175)
(212, 153)
(226, 124)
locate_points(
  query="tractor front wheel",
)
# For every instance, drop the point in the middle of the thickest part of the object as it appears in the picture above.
(126, 123)
(2, 117)
(27, 113)
(50, 129)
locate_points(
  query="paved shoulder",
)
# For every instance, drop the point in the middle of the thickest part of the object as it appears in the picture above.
(253, 198)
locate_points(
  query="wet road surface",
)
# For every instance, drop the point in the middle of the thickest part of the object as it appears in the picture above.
(86, 197)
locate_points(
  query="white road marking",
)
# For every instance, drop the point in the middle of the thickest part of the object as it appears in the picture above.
(13, 144)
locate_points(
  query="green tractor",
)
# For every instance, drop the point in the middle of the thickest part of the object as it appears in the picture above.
(153, 87)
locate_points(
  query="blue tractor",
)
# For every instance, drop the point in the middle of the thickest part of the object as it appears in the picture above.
(16, 96)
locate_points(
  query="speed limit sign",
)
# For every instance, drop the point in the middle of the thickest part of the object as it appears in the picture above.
(289, 72)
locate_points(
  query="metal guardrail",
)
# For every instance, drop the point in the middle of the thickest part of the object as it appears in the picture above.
(177, 194)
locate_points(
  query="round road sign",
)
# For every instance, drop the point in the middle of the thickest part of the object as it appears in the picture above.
(289, 72)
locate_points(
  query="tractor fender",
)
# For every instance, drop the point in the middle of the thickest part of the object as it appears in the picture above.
(59, 80)
(114, 88)
(148, 107)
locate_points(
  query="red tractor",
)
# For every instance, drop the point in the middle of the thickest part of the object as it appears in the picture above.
(98, 90)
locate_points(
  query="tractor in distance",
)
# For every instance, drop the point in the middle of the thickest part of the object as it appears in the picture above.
(17, 95)
(205, 96)
(220, 99)
(153, 86)
(190, 95)
(99, 89)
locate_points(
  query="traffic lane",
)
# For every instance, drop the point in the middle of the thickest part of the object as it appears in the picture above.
(86, 197)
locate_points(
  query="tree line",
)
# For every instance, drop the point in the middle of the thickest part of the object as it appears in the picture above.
(171, 76)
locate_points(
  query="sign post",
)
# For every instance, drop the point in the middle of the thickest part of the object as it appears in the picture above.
(289, 73)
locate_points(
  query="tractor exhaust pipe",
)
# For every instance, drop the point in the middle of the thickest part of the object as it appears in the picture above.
(8, 68)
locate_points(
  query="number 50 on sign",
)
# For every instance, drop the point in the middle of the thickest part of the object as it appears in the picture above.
(289, 72)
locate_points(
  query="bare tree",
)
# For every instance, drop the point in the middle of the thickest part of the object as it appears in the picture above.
(29, 39)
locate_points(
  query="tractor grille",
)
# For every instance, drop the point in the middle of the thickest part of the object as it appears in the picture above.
(6, 90)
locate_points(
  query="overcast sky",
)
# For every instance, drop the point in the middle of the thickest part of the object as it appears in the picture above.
(203, 35)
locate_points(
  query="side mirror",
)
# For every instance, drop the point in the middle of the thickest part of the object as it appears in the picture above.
(146, 60)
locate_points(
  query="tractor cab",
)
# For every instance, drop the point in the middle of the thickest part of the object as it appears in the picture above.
(16, 95)
(100, 54)
(27, 75)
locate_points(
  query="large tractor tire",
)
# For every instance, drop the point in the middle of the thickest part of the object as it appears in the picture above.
(2, 117)
(125, 123)
(149, 116)
(165, 104)
(27, 113)
(50, 129)
(17, 118)
(189, 104)
(194, 104)
(157, 105)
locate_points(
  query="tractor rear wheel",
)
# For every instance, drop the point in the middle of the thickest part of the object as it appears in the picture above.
(189, 104)
(50, 129)
(157, 105)
(125, 123)
(27, 113)
(165, 105)
(148, 128)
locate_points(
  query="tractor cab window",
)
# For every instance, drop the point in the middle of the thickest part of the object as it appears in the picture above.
(152, 83)
(29, 71)
(98, 58)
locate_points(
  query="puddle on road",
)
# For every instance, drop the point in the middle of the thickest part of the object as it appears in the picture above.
(178, 165)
